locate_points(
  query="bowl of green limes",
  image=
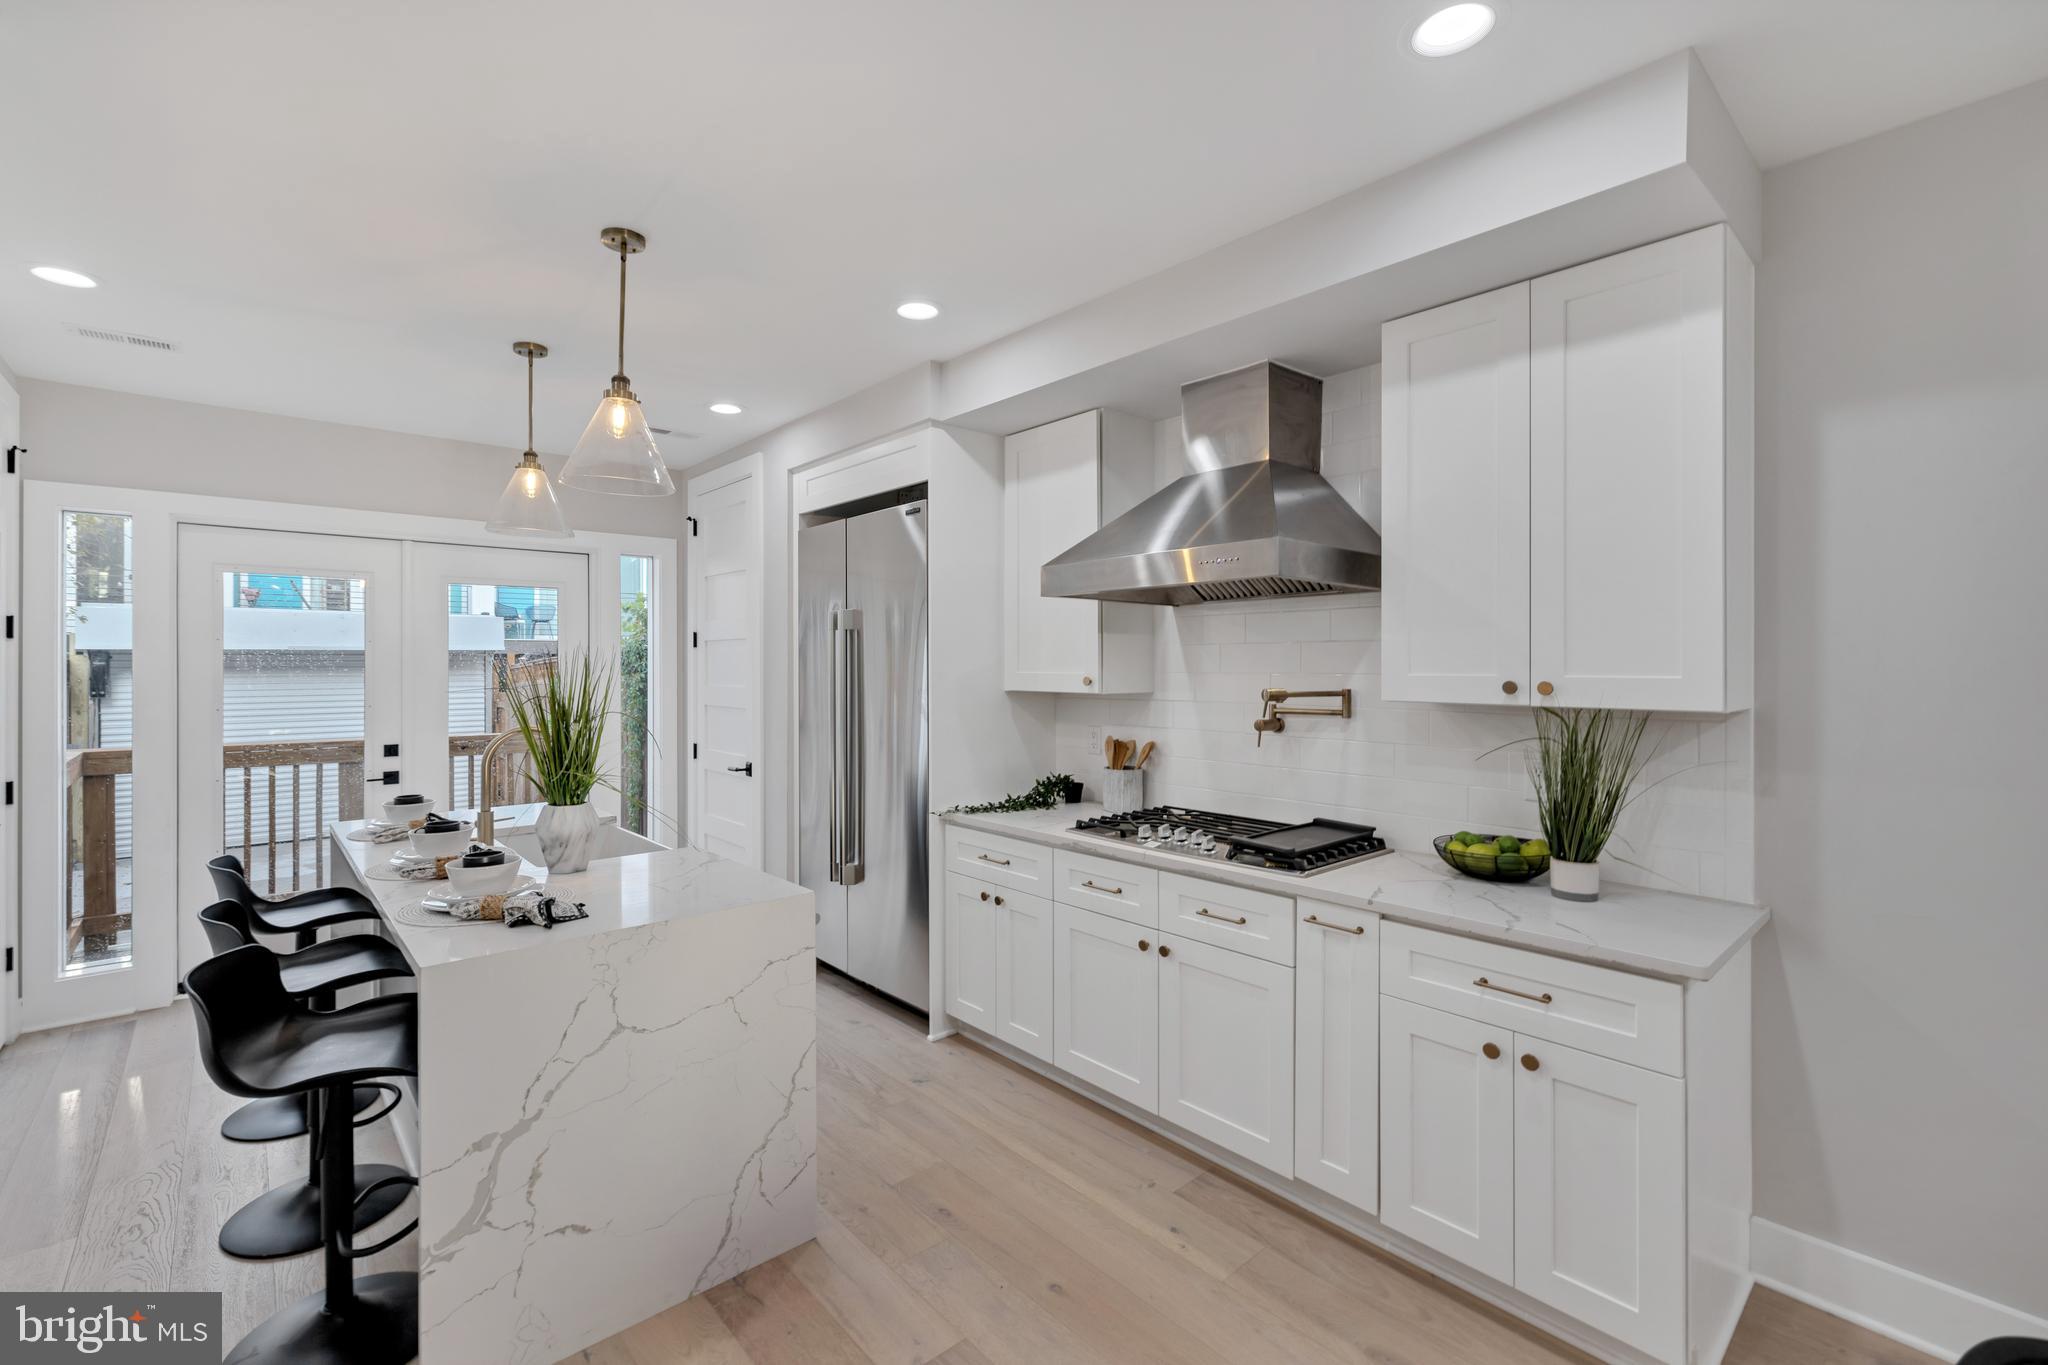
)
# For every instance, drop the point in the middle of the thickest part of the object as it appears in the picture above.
(1494, 857)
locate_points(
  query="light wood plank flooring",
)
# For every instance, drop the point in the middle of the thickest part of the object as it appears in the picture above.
(973, 1214)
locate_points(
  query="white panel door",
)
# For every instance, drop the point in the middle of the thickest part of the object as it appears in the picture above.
(1024, 972)
(1052, 499)
(1447, 1135)
(726, 800)
(1627, 466)
(971, 952)
(1337, 1052)
(1105, 1004)
(1226, 1049)
(1454, 527)
(1600, 1193)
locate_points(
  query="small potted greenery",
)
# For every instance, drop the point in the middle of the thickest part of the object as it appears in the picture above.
(1584, 766)
(560, 712)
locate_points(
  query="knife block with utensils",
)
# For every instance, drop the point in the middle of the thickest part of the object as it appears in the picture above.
(1123, 780)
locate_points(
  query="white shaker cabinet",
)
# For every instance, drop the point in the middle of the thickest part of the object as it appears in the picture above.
(1337, 1052)
(1613, 402)
(1061, 483)
(1105, 1004)
(971, 951)
(1600, 1193)
(1447, 1134)
(1226, 1049)
(1454, 529)
(1024, 972)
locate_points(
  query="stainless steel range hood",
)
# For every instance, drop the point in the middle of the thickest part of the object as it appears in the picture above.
(1255, 519)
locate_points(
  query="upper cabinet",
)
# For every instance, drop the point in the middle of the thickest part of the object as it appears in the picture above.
(1568, 495)
(1061, 482)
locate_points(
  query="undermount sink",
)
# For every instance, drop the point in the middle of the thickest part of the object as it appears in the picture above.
(612, 842)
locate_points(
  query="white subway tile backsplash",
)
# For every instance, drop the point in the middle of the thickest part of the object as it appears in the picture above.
(1415, 771)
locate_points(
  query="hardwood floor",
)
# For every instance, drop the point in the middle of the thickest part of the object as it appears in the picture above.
(972, 1214)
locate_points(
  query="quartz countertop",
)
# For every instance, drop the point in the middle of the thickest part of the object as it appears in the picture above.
(1658, 932)
(633, 891)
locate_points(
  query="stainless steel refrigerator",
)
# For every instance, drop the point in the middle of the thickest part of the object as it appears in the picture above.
(862, 788)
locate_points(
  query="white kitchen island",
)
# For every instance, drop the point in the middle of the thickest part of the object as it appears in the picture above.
(613, 1115)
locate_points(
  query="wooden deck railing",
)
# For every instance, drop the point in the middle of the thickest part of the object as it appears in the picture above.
(281, 796)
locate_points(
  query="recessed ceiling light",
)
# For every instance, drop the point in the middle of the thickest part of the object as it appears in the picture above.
(1452, 30)
(57, 274)
(727, 409)
(917, 310)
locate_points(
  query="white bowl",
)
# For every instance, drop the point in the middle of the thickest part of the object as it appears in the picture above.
(404, 815)
(483, 881)
(441, 845)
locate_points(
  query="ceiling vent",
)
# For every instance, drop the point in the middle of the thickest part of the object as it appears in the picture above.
(125, 338)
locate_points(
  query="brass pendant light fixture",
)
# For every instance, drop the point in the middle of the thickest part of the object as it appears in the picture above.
(528, 507)
(617, 453)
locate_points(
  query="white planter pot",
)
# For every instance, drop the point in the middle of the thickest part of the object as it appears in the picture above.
(1574, 881)
(567, 836)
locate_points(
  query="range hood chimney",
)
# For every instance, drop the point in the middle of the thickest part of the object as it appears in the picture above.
(1254, 520)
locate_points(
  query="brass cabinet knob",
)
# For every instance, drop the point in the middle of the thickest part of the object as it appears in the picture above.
(1545, 688)
(1529, 1062)
(1165, 951)
(1492, 1051)
(1509, 687)
(1087, 681)
(984, 895)
(999, 900)
(1143, 945)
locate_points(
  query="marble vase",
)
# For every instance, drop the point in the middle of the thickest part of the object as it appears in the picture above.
(567, 835)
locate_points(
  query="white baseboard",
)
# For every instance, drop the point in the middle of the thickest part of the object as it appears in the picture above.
(1904, 1305)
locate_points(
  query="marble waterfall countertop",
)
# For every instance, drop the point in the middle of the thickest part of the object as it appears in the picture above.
(1658, 932)
(615, 1114)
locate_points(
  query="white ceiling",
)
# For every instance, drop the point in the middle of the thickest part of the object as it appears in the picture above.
(350, 211)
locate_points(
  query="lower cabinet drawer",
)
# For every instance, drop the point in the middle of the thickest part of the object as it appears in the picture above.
(1123, 890)
(998, 860)
(1633, 1019)
(1255, 922)
(1226, 1050)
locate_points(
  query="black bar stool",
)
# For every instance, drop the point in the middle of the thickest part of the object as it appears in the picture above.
(255, 1040)
(328, 966)
(302, 914)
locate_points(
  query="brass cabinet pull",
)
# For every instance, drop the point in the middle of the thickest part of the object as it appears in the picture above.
(999, 862)
(984, 895)
(1492, 1051)
(1545, 688)
(1340, 928)
(1207, 913)
(1483, 984)
(999, 900)
(1529, 1062)
(1087, 681)
(1143, 945)
(1165, 951)
(1112, 890)
(1509, 687)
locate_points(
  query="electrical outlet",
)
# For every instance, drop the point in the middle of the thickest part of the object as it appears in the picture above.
(1095, 737)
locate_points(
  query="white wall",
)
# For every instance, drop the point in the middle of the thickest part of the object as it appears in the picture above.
(127, 440)
(1414, 771)
(1902, 463)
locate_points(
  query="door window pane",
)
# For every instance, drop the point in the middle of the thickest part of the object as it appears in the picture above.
(291, 721)
(99, 844)
(636, 580)
(490, 625)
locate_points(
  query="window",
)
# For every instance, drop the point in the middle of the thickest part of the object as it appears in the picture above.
(636, 576)
(98, 902)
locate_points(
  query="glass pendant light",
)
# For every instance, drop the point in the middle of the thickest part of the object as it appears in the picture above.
(529, 507)
(617, 453)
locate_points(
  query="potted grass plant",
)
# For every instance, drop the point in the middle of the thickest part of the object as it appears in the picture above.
(1584, 765)
(560, 712)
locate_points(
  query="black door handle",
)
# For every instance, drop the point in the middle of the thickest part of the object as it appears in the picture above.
(746, 768)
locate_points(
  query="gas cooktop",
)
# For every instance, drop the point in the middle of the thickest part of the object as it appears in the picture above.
(1301, 850)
